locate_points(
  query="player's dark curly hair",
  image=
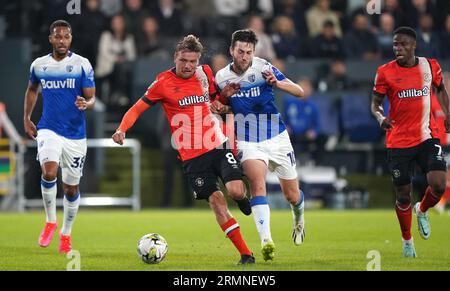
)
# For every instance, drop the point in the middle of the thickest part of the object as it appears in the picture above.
(407, 31)
(244, 35)
(189, 43)
(59, 23)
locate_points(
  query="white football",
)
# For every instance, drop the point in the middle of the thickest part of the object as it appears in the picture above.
(152, 248)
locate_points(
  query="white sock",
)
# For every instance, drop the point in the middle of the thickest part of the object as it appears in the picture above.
(49, 190)
(70, 212)
(261, 215)
(298, 209)
(409, 241)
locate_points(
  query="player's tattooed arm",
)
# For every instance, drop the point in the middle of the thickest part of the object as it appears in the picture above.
(378, 112)
(30, 101)
(442, 96)
(87, 101)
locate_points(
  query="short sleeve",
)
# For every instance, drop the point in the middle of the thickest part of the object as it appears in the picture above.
(277, 73)
(153, 94)
(33, 78)
(436, 72)
(87, 74)
(380, 85)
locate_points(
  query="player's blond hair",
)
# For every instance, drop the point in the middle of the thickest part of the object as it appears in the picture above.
(189, 43)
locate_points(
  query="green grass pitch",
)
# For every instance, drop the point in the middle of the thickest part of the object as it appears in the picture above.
(335, 240)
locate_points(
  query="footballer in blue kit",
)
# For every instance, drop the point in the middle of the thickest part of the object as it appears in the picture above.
(262, 140)
(68, 89)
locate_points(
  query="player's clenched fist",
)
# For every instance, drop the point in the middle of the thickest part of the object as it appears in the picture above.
(81, 103)
(118, 137)
(270, 78)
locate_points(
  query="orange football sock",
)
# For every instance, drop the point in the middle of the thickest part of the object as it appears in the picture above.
(233, 232)
(404, 215)
(428, 200)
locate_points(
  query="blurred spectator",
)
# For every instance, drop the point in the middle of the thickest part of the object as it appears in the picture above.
(111, 7)
(88, 30)
(199, 8)
(295, 10)
(340, 8)
(134, 14)
(54, 10)
(264, 48)
(263, 8)
(231, 8)
(318, 14)
(360, 42)
(394, 8)
(418, 8)
(327, 44)
(445, 40)
(443, 10)
(385, 35)
(279, 64)
(218, 62)
(427, 40)
(303, 122)
(284, 38)
(148, 41)
(116, 50)
(169, 18)
(333, 77)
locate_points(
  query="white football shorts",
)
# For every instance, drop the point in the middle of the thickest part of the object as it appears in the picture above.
(70, 154)
(276, 152)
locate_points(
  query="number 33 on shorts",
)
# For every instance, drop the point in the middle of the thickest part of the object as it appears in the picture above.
(78, 162)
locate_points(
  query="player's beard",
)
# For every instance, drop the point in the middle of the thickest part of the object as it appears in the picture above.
(61, 53)
(242, 67)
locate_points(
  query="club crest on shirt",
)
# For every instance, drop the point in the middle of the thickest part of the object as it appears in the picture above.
(69, 68)
(396, 173)
(199, 182)
(205, 84)
(252, 78)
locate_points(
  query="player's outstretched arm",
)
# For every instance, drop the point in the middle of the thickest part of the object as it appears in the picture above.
(87, 101)
(442, 96)
(30, 101)
(290, 87)
(285, 85)
(128, 120)
(378, 112)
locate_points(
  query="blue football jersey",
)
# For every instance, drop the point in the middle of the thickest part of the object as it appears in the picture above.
(256, 115)
(61, 83)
